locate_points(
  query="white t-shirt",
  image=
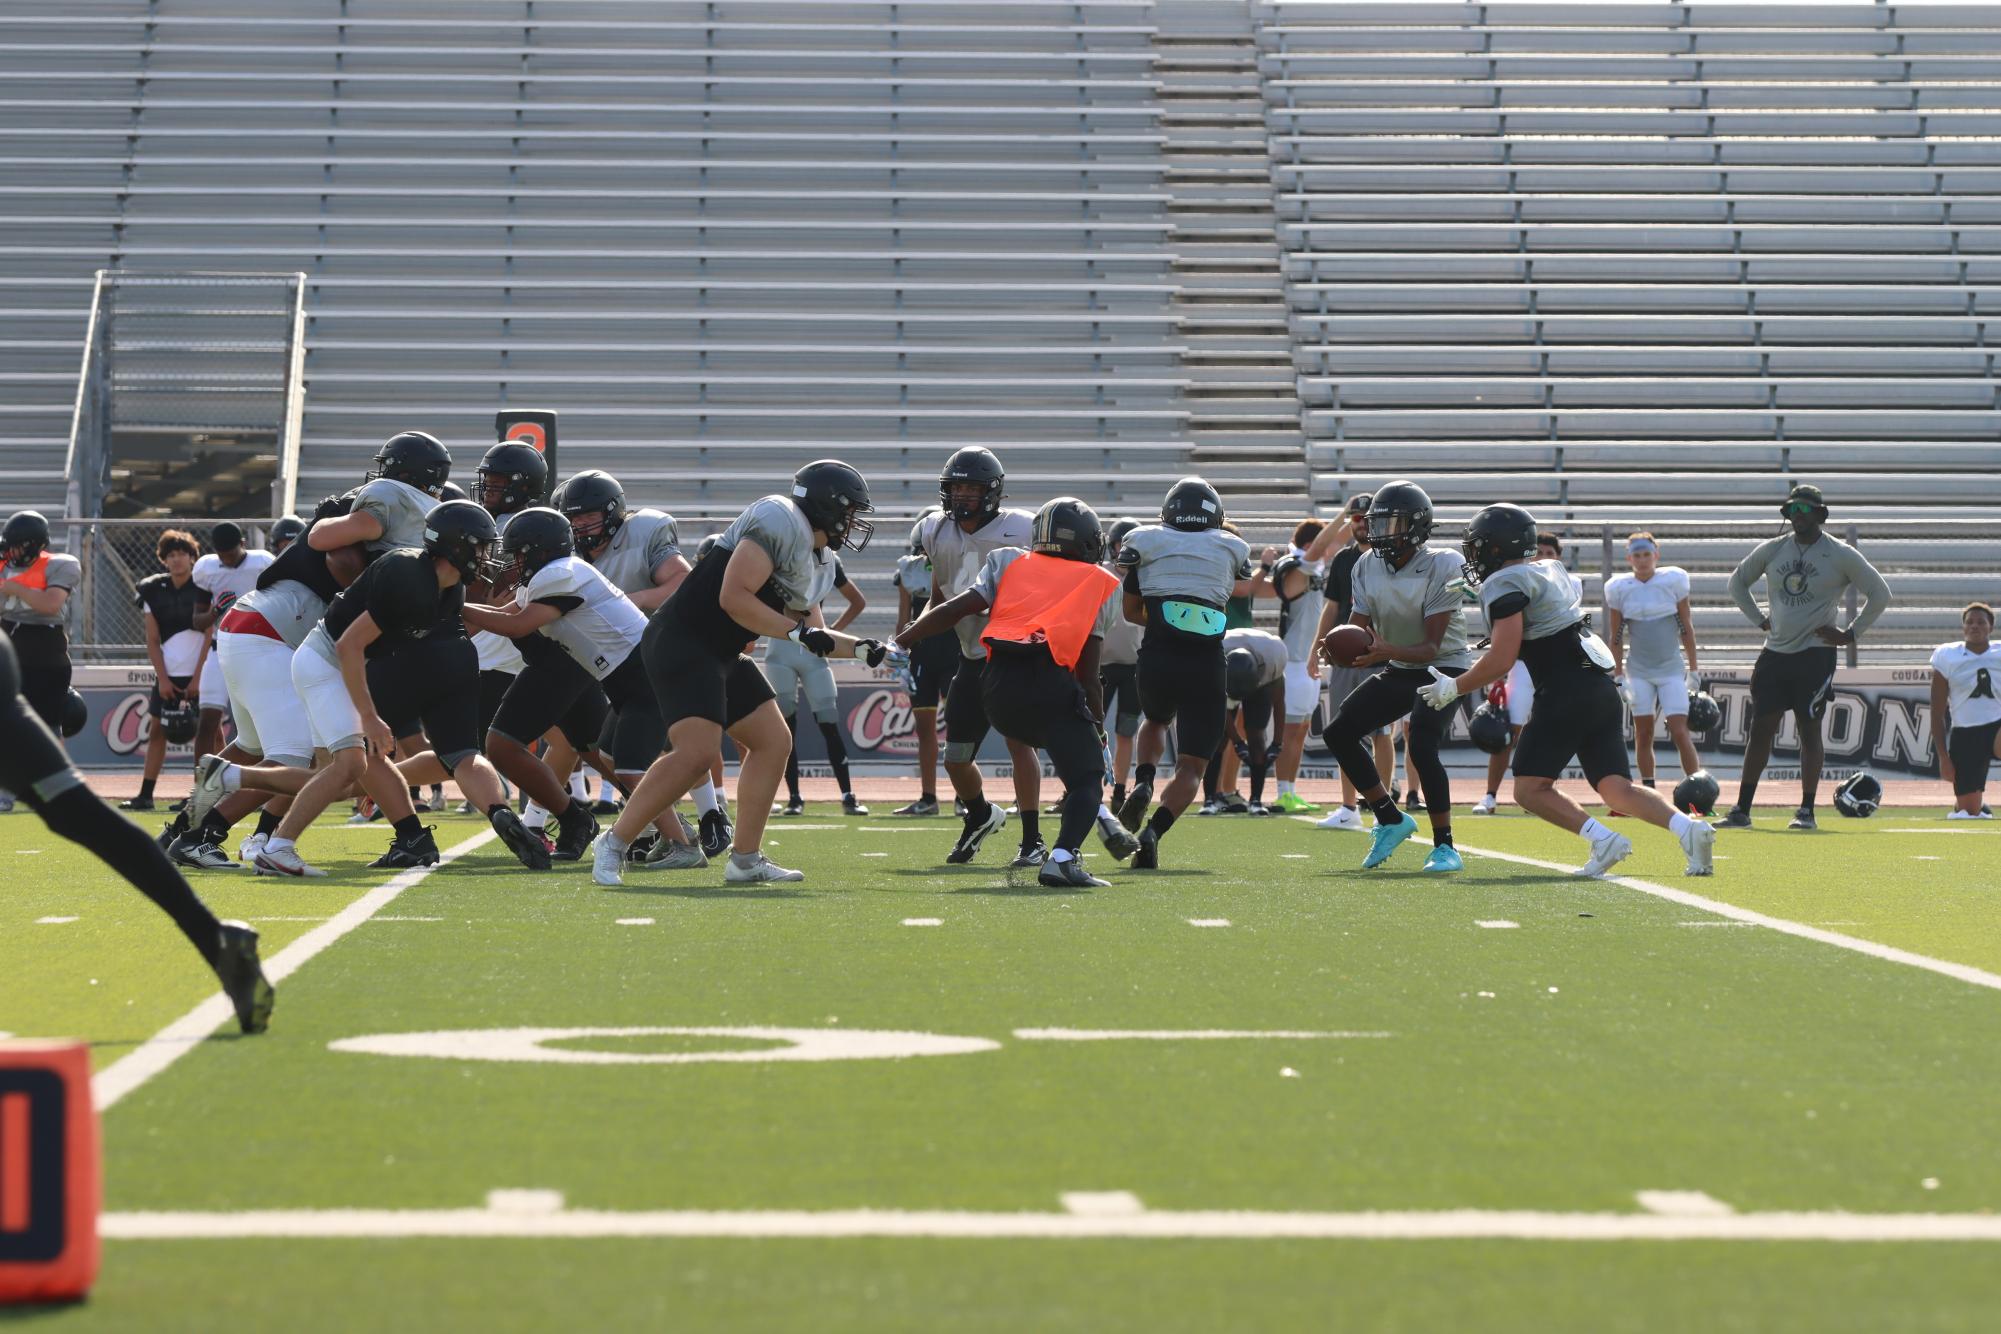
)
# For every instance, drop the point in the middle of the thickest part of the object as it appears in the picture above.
(1973, 682)
(599, 626)
(219, 580)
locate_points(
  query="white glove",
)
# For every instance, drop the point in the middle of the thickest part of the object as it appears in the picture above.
(1441, 692)
(1693, 681)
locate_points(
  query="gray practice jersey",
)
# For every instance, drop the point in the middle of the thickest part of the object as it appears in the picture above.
(1204, 565)
(1299, 618)
(599, 626)
(1266, 647)
(913, 575)
(1551, 614)
(987, 584)
(400, 509)
(1804, 586)
(780, 529)
(646, 538)
(1398, 601)
(957, 557)
(59, 571)
(1121, 648)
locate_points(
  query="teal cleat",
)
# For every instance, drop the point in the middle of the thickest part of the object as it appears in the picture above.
(1385, 839)
(1444, 859)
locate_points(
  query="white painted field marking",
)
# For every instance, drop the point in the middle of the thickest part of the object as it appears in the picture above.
(875, 854)
(1102, 1203)
(179, 1038)
(1683, 1204)
(1296, 856)
(786, 827)
(1927, 829)
(1403, 1225)
(525, 1201)
(867, 828)
(1927, 859)
(1499, 924)
(1208, 921)
(409, 919)
(924, 921)
(635, 921)
(1166, 1034)
(1715, 923)
(27, 852)
(527, 1044)
(54, 921)
(1978, 977)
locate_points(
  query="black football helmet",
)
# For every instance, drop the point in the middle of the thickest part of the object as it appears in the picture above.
(413, 458)
(1495, 536)
(1697, 794)
(1240, 673)
(1704, 713)
(1400, 519)
(977, 465)
(1191, 505)
(1490, 729)
(286, 531)
(76, 713)
(512, 475)
(1859, 797)
(1069, 528)
(833, 497)
(461, 532)
(534, 537)
(1118, 532)
(705, 546)
(178, 720)
(452, 491)
(25, 537)
(593, 492)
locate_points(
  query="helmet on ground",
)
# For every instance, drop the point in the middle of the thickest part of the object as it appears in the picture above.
(512, 475)
(833, 496)
(25, 537)
(593, 492)
(1494, 536)
(461, 532)
(76, 713)
(177, 721)
(1704, 713)
(1859, 797)
(975, 465)
(413, 458)
(1191, 505)
(1697, 793)
(1490, 729)
(1400, 519)
(1240, 673)
(534, 537)
(1069, 528)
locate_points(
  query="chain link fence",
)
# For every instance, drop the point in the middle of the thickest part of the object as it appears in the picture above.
(106, 623)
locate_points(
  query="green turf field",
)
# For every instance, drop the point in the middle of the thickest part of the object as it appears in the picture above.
(1539, 1052)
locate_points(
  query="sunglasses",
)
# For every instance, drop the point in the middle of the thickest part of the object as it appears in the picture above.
(1799, 509)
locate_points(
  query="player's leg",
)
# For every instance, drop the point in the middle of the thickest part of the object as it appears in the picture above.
(1369, 708)
(781, 669)
(1684, 744)
(823, 698)
(1813, 688)
(336, 729)
(762, 736)
(156, 755)
(1770, 700)
(1192, 685)
(966, 726)
(539, 698)
(1601, 752)
(1548, 742)
(1265, 704)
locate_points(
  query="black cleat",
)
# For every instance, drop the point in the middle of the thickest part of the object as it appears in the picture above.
(241, 973)
(1031, 855)
(921, 806)
(404, 854)
(640, 848)
(1738, 818)
(575, 828)
(1803, 819)
(606, 806)
(523, 842)
(1068, 875)
(975, 833)
(1117, 839)
(716, 832)
(1133, 813)
(1148, 856)
(176, 830)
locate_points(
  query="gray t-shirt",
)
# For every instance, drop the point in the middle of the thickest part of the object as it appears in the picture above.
(1804, 586)
(1266, 647)
(400, 509)
(1650, 610)
(646, 538)
(61, 571)
(987, 584)
(1122, 637)
(913, 575)
(957, 557)
(599, 627)
(780, 528)
(1204, 565)
(1398, 601)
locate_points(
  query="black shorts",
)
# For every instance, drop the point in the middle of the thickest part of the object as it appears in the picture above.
(431, 686)
(1033, 700)
(966, 724)
(1577, 715)
(1120, 682)
(33, 765)
(492, 689)
(1793, 682)
(1972, 752)
(1184, 686)
(933, 664)
(690, 680)
(156, 704)
(632, 735)
(552, 691)
(41, 654)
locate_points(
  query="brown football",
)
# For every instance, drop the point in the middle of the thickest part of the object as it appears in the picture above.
(1345, 643)
(345, 564)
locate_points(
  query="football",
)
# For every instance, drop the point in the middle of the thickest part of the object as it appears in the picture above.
(1345, 643)
(345, 564)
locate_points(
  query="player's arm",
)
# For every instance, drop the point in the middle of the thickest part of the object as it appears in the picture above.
(1875, 595)
(815, 635)
(857, 604)
(1504, 646)
(942, 616)
(42, 601)
(1332, 614)
(1685, 616)
(165, 683)
(1941, 710)
(902, 606)
(1614, 623)
(1131, 602)
(204, 608)
(1748, 572)
(667, 577)
(513, 622)
(1086, 672)
(332, 534)
(1330, 539)
(1435, 626)
(352, 650)
(750, 568)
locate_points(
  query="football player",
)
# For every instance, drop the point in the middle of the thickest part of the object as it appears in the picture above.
(932, 665)
(1806, 573)
(1337, 595)
(788, 666)
(512, 476)
(1118, 673)
(1535, 616)
(225, 574)
(35, 585)
(177, 649)
(1179, 576)
(1966, 688)
(283, 533)
(1657, 671)
(1254, 675)
(1411, 599)
(1517, 693)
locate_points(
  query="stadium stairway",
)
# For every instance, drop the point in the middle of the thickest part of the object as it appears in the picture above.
(1648, 265)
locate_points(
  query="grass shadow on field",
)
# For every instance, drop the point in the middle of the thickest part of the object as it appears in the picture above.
(661, 891)
(1032, 889)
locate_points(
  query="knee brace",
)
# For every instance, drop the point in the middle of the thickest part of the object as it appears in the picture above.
(960, 752)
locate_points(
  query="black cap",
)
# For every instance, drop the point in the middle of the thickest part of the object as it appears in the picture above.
(225, 536)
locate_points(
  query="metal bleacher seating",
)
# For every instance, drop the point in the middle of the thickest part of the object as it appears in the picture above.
(719, 238)
(1648, 265)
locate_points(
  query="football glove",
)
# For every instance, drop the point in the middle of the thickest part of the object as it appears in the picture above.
(871, 651)
(1441, 692)
(817, 641)
(1693, 681)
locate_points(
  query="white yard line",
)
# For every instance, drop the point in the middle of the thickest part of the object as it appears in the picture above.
(177, 1039)
(1223, 1225)
(1978, 977)
(1166, 1034)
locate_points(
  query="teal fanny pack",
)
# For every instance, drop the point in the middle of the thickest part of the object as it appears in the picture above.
(1192, 618)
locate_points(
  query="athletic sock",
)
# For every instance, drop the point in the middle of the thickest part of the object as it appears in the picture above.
(1285, 787)
(1061, 855)
(1593, 830)
(1105, 812)
(416, 795)
(1118, 794)
(1646, 782)
(274, 844)
(536, 815)
(1142, 775)
(705, 797)
(580, 786)
(745, 860)
(978, 809)
(409, 829)
(1160, 821)
(1679, 824)
(267, 823)
(214, 828)
(792, 767)
(837, 756)
(145, 790)
(1031, 827)
(1441, 838)
(1386, 811)
(232, 778)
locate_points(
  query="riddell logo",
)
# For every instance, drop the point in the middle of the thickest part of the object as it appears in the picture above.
(883, 723)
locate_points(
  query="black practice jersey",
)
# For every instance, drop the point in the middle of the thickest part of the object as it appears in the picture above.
(399, 590)
(173, 608)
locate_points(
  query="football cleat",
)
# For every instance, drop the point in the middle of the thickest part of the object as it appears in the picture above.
(792, 806)
(176, 830)
(136, 804)
(1213, 806)
(1293, 804)
(1699, 842)
(1146, 857)
(1444, 859)
(1738, 818)
(1606, 853)
(1032, 855)
(1981, 814)
(286, 861)
(716, 832)
(191, 850)
(607, 862)
(666, 856)
(1232, 803)
(246, 852)
(1068, 874)
(241, 973)
(404, 854)
(209, 788)
(1385, 839)
(575, 828)
(851, 805)
(6, 803)
(527, 846)
(606, 806)
(642, 847)
(921, 806)
(762, 871)
(1802, 819)
(1117, 839)
(1341, 817)
(1133, 813)
(974, 834)
(1486, 805)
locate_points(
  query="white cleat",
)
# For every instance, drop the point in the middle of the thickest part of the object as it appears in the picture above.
(1606, 853)
(286, 861)
(607, 862)
(210, 787)
(1341, 817)
(1969, 815)
(761, 871)
(667, 856)
(1486, 805)
(246, 852)
(1700, 845)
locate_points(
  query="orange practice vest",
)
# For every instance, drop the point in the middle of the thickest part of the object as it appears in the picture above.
(1050, 600)
(36, 575)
